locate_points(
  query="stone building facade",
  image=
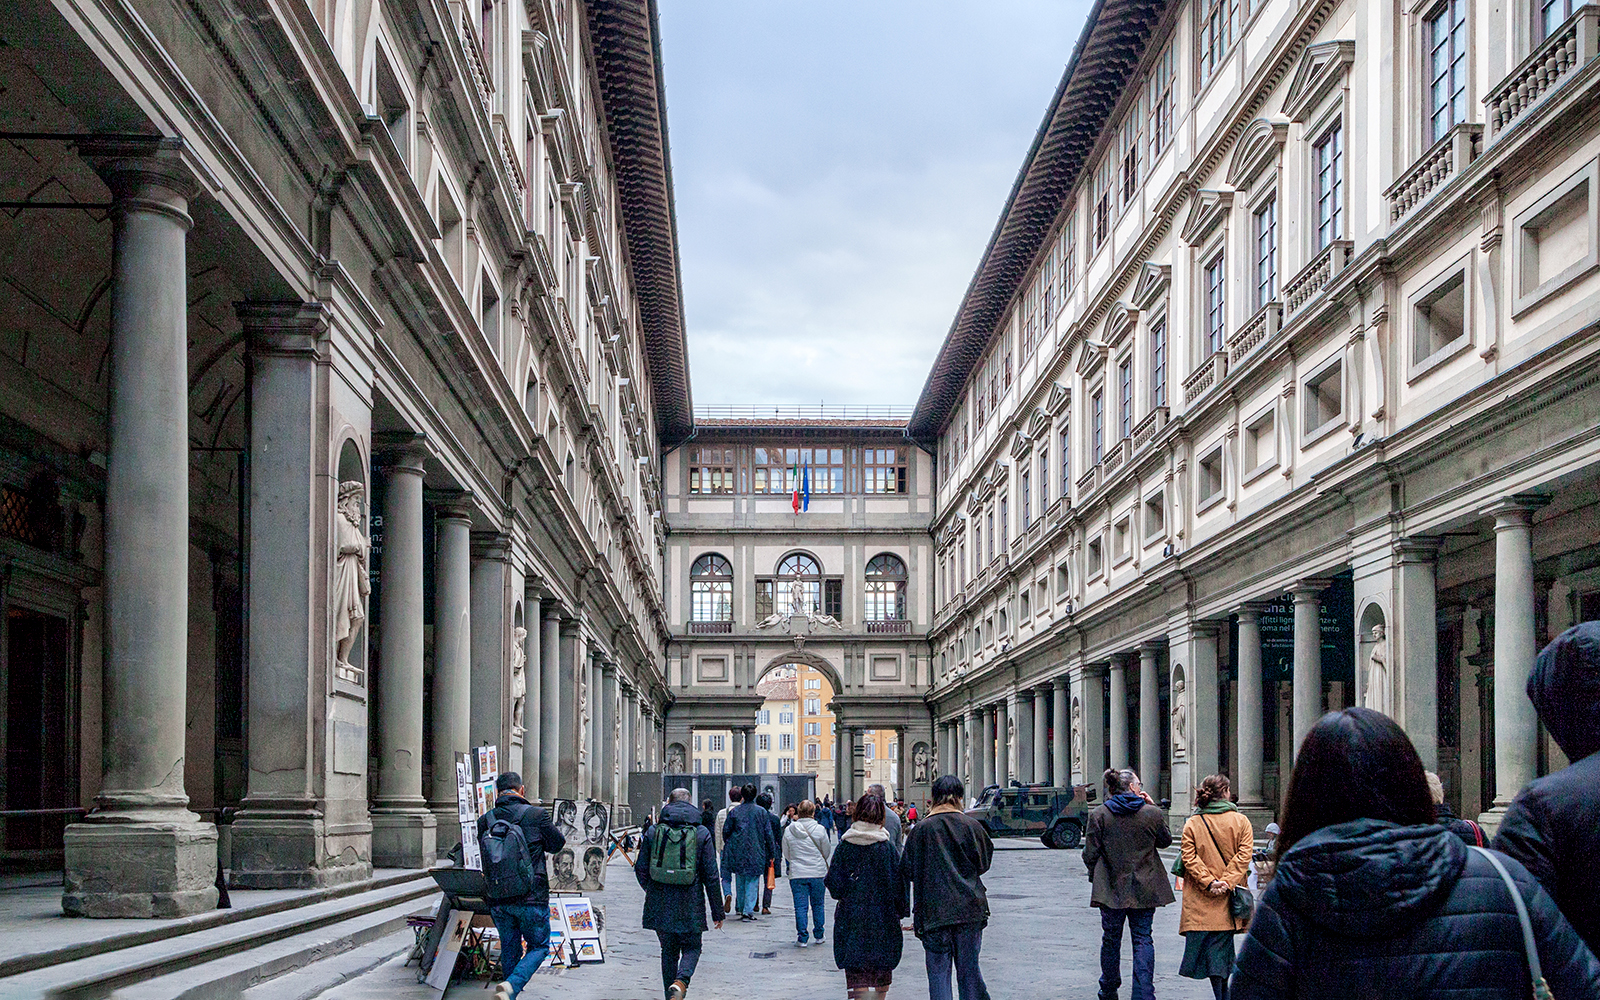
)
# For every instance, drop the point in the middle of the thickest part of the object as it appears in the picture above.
(1275, 391)
(340, 343)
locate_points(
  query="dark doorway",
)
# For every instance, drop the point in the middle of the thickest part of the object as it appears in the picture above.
(40, 755)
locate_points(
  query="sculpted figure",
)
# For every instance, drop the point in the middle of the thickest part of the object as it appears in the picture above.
(1077, 733)
(1378, 695)
(519, 678)
(1180, 718)
(350, 582)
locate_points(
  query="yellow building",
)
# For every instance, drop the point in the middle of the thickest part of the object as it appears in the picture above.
(817, 727)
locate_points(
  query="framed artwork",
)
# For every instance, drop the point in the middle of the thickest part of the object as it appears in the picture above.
(444, 959)
(590, 951)
(578, 918)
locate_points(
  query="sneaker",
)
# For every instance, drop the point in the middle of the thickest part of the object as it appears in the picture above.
(503, 991)
(817, 937)
(677, 990)
(800, 944)
(745, 917)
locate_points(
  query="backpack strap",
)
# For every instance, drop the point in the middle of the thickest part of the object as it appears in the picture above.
(1541, 989)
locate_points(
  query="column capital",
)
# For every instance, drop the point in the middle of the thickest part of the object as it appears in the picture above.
(401, 451)
(144, 174)
(1308, 589)
(1121, 661)
(1250, 610)
(287, 329)
(1515, 511)
(452, 505)
(1418, 548)
(494, 545)
(550, 609)
(1061, 683)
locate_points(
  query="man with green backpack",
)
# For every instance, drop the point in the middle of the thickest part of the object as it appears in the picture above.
(677, 866)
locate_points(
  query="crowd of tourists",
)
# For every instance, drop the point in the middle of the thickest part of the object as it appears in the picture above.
(1370, 889)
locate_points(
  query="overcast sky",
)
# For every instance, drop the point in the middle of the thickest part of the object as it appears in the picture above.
(838, 170)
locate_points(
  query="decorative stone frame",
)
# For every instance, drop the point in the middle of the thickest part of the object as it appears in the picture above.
(1418, 322)
(1585, 183)
(1205, 503)
(1250, 426)
(1317, 375)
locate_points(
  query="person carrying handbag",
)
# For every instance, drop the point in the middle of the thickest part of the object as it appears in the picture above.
(1218, 842)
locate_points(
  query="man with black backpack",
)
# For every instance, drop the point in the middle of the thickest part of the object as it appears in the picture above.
(677, 865)
(513, 838)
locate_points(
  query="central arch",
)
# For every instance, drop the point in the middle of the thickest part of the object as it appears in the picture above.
(792, 656)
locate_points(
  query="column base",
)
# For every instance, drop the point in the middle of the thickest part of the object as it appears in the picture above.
(447, 829)
(404, 837)
(1491, 820)
(297, 851)
(140, 869)
(1259, 814)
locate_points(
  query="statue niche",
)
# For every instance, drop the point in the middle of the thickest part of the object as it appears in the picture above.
(350, 582)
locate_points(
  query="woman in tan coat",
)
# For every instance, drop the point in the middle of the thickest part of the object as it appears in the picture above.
(1217, 844)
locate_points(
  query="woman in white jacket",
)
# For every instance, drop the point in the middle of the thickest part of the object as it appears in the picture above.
(807, 849)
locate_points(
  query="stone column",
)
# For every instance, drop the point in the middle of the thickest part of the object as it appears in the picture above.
(736, 751)
(551, 736)
(1150, 720)
(490, 714)
(750, 750)
(1025, 736)
(1205, 722)
(532, 730)
(1417, 638)
(991, 746)
(1117, 723)
(1041, 735)
(609, 744)
(1251, 746)
(1002, 736)
(626, 761)
(1516, 725)
(594, 742)
(403, 830)
(972, 746)
(142, 853)
(1307, 660)
(841, 765)
(570, 657)
(1090, 715)
(452, 660)
(1061, 746)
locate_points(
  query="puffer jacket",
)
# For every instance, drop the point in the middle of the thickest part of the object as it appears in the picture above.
(1369, 910)
(807, 848)
(748, 844)
(679, 908)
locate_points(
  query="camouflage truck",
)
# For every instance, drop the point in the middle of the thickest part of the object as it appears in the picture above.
(1056, 816)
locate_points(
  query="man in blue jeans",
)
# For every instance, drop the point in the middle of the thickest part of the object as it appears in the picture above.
(527, 919)
(945, 858)
(1119, 849)
(748, 847)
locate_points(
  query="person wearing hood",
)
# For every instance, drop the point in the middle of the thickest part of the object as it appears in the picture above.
(1553, 825)
(1218, 842)
(864, 876)
(748, 847)
(675, 912)
(946, 856)
(807, 849)
(1120, 849)
(1374, 899)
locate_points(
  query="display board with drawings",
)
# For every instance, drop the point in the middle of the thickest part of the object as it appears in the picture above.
(476, 771)
(580, 866)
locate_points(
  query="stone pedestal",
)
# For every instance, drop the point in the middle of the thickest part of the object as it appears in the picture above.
(142, 853)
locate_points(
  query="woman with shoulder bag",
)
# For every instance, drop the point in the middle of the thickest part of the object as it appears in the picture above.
(1217, 844)
(873, 896)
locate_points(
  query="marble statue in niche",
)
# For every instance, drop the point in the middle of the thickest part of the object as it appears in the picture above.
(677, 763)
(1378, 695)
(519, 679)
(1077, 736)
(1180, 718)
(351, 584)
(919, 764)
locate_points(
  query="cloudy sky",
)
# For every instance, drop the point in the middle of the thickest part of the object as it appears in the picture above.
(838, 170)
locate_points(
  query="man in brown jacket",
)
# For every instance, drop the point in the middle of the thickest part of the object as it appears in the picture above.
(1119, 849)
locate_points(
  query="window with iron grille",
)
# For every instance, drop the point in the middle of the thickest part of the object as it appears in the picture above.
(1266, 234)
(1328, 167)
(711, 469)
(1158, 362)
(1447, 68)
(1216, 285)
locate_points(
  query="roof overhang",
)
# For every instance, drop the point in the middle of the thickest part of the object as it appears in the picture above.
(1107, 53)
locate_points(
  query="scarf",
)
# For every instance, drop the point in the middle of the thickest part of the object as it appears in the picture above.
(866, 833)
(1220, 806)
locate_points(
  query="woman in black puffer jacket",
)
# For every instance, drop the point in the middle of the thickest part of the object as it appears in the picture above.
(1373, 900)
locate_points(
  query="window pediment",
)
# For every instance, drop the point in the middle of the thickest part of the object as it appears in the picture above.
(1060, 396)
(1323, 66)
(1090, 357)
(1205, 214)
(1152, 284)
(1259, 147)
(1021, 444)
(1121, 321)
(1038, 424)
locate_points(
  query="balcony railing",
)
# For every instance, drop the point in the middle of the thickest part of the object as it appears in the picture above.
(1556, 58)
(711, 628)
(1089, 481)
(1117, 454)
(1149, 427)
(804, 411)
(1207, 375)
(1303, 287)
(1443, 160)
(474, 49)
(1257, 330)
(892, 626)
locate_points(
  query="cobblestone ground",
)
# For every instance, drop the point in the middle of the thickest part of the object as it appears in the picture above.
(1043, 943)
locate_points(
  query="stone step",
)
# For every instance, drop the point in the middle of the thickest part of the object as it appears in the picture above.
(318, 978)
(166, 930)
(365, 914)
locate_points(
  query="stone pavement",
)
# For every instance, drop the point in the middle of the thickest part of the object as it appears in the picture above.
(1043, 943)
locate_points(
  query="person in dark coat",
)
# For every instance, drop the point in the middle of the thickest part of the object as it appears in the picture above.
(525, 920)
(708, 815)
(865, 877)
(1553, 825)
(1469, 831)
(1374, 899)
(1119, 849)
(675, 912)
(748, 847)
(765, 802)
(946, 855)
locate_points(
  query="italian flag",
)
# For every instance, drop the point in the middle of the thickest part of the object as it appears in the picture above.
(794, 475)
(802, 489)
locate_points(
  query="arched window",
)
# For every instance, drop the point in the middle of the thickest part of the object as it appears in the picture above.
(886, 589)
(711, 589)
(804, 568)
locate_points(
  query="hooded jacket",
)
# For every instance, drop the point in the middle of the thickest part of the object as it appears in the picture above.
(864, 876)
(1552, 826)
(1119, 849)
(1369, 910)
(807, 848)
(747, 841)
(677, 908)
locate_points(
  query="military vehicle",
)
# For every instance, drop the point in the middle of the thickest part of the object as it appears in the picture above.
(1055, 815)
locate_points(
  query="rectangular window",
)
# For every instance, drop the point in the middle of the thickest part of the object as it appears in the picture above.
(786, 741)
(813, 729)
(764, 717)
(1125, 398)
(1216, 314)
(1219, 20)
(1210, 478)
(1044, 476)
(785, 718)
(716, 744)
(1447, 68)
(990, 559)
(1066, 459)
(813, 751)
(1130, 144)
(1551, 14)
(1161, 103)
(785, 765)
(1266, 236)
(885, 469)
(869, 750)
(1047, 292)
(1324, 398)
(1158, 362)
(833, 598)
(718, 765)
(783, 470)
(1069, 257)
(761, 765)
(1102, 203)
(1327, 160)
(763, 742)
(813, 683)
(1097, 427)
(813, 706)
(1005, 527)
(1025, 490)
(764, 598)
(697, 742)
